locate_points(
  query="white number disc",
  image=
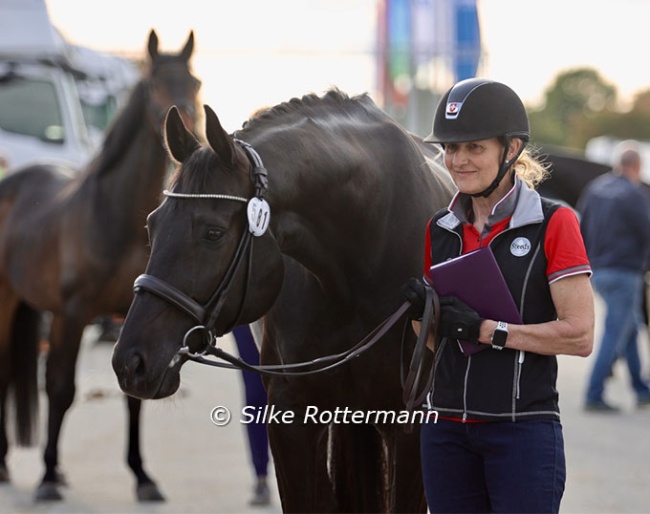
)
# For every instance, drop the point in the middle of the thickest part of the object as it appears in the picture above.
(259, 215)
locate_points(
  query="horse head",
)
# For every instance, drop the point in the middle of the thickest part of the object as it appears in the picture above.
(200, 281)
(170, 82)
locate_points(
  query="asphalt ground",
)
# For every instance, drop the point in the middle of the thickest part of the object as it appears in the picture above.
(201, 467)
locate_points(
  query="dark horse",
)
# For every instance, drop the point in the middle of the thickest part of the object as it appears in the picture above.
(350, 193)
(72, 244)
(570, 174)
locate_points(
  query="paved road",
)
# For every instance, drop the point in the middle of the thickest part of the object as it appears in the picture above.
(198, 466)
(204, 468)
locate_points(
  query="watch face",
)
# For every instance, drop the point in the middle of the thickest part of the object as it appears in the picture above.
(499, 338)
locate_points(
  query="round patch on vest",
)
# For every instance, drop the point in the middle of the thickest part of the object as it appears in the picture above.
(520, 247)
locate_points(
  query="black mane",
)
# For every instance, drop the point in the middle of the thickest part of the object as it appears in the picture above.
(311, 104)
(125, 126)
(130, 119)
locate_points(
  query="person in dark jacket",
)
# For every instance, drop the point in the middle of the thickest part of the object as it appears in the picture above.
(615, 224)
(497, 445)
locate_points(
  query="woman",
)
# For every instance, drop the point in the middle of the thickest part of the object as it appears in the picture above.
(498, 446)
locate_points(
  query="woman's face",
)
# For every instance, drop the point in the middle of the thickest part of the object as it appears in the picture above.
(473, 165)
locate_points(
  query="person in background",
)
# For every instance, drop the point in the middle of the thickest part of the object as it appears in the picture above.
(255, 395)
(615, 224)
(498, 445)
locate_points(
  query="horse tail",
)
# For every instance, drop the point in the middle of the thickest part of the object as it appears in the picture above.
(23, 374)
(359, 469)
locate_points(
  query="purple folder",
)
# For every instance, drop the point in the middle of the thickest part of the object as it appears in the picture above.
(476, 279)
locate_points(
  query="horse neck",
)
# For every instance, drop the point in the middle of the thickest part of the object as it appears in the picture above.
(131, 188)
(327, 225)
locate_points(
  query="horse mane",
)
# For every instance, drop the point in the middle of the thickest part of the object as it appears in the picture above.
(306, 106)
(313, 103)
(123, 129)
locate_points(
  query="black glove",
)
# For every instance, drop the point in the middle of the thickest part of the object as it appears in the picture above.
(458, 320)
(413, 290)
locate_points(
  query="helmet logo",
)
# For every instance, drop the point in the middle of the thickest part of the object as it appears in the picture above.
(453, 109)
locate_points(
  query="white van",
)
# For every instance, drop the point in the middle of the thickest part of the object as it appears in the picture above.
(41, 115)
(41, 110)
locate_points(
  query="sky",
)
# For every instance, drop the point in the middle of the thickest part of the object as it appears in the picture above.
(256, 53)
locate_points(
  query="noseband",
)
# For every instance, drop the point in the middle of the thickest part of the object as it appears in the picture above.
(258, 215)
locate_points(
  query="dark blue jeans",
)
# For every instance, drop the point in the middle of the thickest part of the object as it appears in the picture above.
(493, 467)
(621, 291)
(255, 396)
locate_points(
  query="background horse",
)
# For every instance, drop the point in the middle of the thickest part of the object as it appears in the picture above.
(350, 193)
(72, 244)
(570, 174)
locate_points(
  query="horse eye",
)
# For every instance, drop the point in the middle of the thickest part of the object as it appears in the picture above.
(213, 234)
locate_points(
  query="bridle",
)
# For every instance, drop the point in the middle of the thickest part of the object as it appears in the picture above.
(206, 315)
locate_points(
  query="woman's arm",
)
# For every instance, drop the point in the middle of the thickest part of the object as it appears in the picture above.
(417, 326)
(571, 334)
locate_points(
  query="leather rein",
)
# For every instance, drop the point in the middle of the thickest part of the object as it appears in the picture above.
(206, 315)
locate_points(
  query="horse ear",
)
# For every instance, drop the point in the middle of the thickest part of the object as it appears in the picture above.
(180, 142)
(153, 45)
(186, 53)
(218, 138)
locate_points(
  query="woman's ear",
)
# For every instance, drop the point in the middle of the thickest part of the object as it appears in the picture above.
(515, 149)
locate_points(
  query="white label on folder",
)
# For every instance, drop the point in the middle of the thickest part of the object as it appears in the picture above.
(520, 247)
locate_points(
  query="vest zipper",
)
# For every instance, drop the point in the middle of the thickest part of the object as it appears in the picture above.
(469, 365)
(520, 365)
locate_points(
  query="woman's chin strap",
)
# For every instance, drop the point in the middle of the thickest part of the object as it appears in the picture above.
(504, 166)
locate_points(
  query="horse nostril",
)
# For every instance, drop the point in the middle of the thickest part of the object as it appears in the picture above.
(129, 367)
(136, 365)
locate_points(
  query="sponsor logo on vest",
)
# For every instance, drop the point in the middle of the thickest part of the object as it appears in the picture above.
(520, 247)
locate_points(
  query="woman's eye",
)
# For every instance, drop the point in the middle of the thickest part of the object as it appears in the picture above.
(213, 234)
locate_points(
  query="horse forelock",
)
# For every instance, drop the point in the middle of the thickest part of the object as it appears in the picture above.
(202, 172)
(168, 60)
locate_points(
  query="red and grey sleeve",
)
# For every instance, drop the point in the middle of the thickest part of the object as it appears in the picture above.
(564, 247)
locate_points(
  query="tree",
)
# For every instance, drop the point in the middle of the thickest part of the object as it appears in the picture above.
(576, 96)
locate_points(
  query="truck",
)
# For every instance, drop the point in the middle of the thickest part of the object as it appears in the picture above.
(55, 97)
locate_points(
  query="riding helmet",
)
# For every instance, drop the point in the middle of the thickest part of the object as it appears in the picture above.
(475, 109)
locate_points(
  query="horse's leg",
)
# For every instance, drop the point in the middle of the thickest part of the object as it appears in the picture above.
(300, 457)
(65, 339)
(358, 468)
(146, 489)
(404, 470)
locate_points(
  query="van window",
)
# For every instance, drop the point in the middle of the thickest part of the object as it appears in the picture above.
(31, 107)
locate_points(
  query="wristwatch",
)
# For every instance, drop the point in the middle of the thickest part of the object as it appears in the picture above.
(500, 335)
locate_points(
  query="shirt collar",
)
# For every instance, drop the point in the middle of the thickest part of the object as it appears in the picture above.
(522, 203)
(461, 205)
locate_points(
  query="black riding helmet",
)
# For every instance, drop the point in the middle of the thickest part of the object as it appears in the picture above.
(476, 109)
